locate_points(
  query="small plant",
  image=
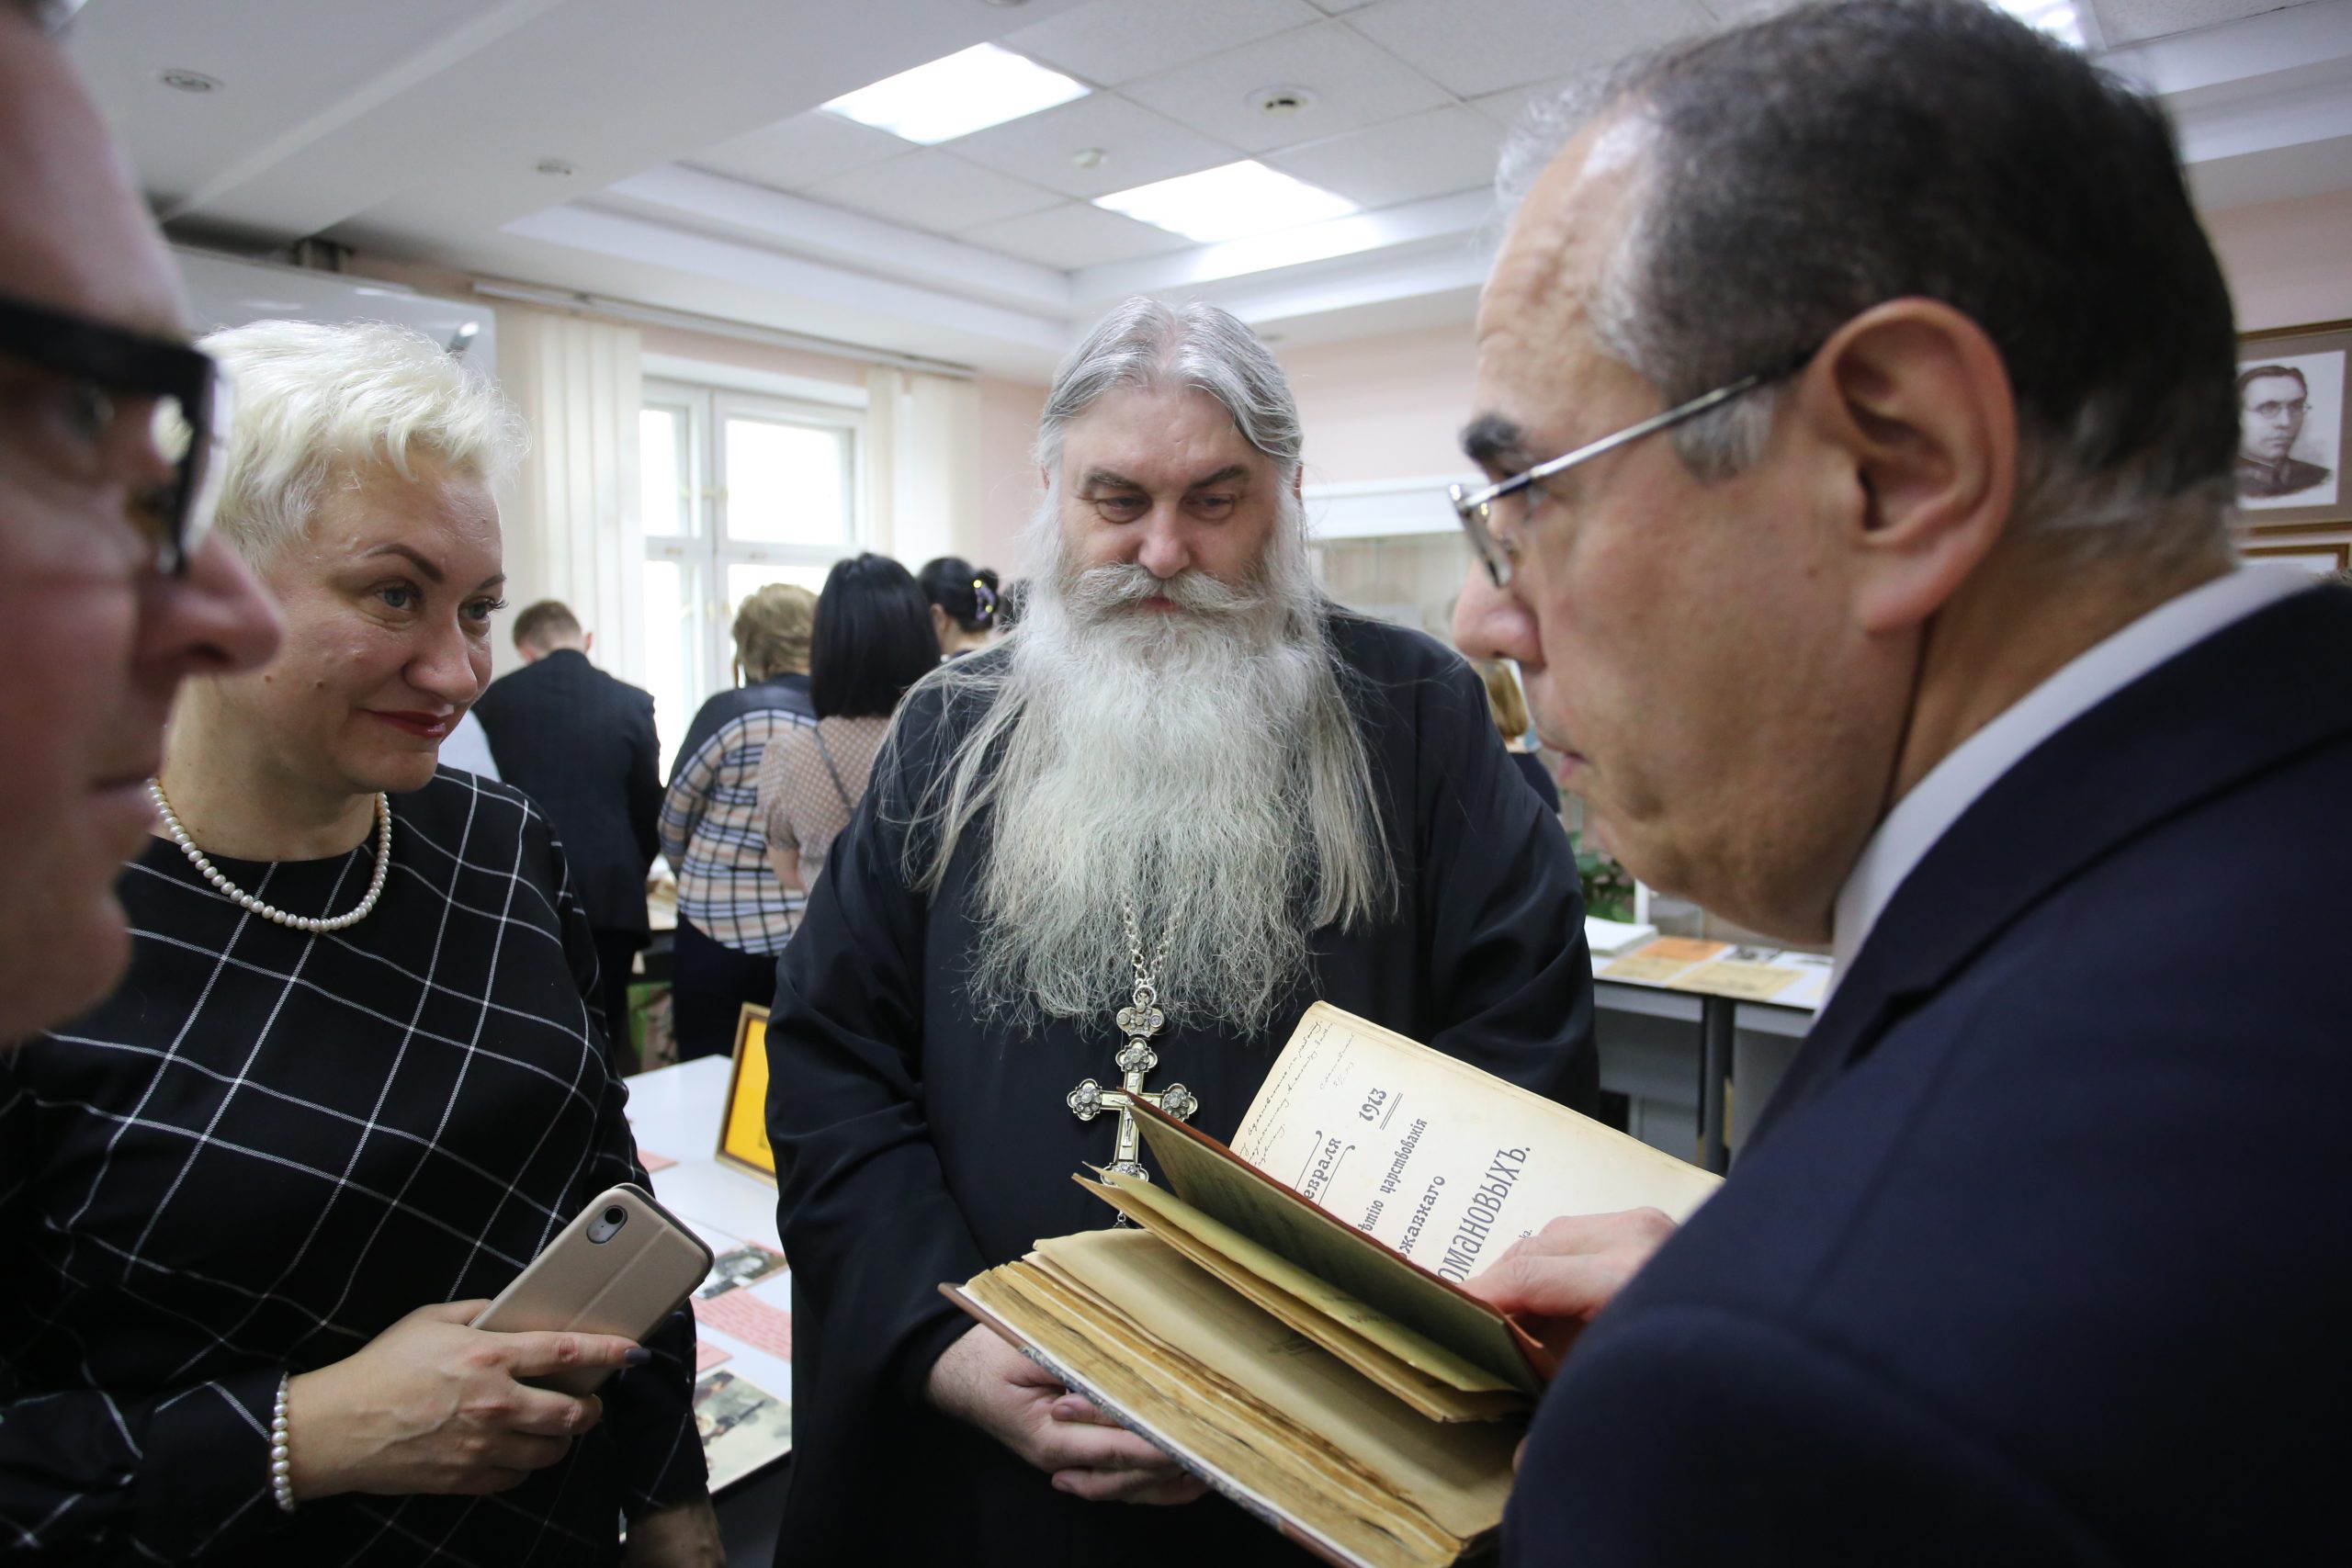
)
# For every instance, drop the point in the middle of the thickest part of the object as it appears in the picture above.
(1608, 886)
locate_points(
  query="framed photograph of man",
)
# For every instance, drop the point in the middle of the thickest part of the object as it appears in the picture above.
(2293, 428)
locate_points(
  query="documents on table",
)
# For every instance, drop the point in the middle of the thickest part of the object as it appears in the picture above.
(1720, 969)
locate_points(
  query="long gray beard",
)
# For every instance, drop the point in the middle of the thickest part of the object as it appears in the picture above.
(1199, 767)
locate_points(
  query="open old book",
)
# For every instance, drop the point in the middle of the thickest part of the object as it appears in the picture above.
(1288, 1321)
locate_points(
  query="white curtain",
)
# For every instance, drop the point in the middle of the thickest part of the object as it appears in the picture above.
(572, 525)
(923, 476)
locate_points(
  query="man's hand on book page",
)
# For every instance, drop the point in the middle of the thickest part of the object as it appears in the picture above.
(1557, 1280)
(986, 1382)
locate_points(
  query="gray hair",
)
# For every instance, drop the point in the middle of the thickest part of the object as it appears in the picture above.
(1205, 774)
(1818, 162)
(317, 401)
(1147, 344)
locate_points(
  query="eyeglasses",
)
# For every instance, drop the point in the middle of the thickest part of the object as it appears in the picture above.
(1475, 508)
(113, 371)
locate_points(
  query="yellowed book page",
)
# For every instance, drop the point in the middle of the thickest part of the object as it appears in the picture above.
(1162, 1208)
(1459, 1475)
(1343, 1256)
(1296, 1463)
(1310, 1471)
(1446, 1164)
(1244, 1266)
(1210, 1425)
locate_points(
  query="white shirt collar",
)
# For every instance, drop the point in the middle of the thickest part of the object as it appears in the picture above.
(1924, 816)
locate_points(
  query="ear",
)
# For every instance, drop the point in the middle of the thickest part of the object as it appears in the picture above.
(1914, 399)
(1298, 482)
(588, 642)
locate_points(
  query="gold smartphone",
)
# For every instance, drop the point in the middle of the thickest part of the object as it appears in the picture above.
(620, 1268)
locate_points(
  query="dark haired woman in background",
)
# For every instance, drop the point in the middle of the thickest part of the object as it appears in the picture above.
(874, 640)
(963, 604)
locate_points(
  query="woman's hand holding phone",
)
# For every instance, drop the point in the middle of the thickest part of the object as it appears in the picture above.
(433, 1406)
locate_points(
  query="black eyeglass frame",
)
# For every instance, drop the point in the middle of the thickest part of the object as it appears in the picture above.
(1473, 508)
(119, 362)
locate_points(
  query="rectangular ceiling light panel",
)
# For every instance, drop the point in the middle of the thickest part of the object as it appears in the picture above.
(966, 92)
(2059, 18)
(1229, 202)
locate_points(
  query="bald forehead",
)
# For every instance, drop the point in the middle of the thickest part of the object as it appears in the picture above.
(74, 232)
(1560, 241)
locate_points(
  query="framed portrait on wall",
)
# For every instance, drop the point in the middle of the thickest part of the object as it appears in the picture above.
(2294, 429)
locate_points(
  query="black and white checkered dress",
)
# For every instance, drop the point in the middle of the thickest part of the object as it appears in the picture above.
(269, 1145)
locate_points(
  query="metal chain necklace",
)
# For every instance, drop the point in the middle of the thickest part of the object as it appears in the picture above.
(1138, 1022)
(267, 911)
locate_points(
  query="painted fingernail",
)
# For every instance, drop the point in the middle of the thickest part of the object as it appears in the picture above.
(636, 1356)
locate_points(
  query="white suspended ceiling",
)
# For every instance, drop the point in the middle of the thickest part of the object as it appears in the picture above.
(692, 173)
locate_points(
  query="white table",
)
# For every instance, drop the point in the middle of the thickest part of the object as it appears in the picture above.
(1718, 1014)
(676, 1111)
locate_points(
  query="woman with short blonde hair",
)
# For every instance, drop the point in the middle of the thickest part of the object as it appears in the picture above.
(774, 630)
(734, 917)
(357, 1078)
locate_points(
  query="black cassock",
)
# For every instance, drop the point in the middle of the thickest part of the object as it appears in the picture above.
(915, 1146)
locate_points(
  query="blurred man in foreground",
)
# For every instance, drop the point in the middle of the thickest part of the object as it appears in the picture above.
(110, 589)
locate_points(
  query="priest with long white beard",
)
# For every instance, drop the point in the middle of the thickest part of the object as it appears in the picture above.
(1188, 770)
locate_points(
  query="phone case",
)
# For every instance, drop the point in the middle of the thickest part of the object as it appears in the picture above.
(626, 1284)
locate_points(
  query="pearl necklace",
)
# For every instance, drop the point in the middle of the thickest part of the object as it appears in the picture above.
(237, 895)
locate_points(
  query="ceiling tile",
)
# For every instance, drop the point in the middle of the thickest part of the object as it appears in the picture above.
(1072, 235)
(1514, 42)
(1112, 41)
(1355, 84)
(281, 64)
(1435, 153)
(1338, 7)
(1138, 147)
(2123, 22)
(1506, 108)
(796, 153)
(933, 190)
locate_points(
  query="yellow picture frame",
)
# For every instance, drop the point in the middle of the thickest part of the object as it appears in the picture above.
(743, 1126)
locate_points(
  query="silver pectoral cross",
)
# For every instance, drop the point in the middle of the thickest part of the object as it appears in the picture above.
(1136, 1059)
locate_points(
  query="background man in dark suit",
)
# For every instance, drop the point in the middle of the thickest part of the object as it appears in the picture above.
(1921, 635)
(581, 744)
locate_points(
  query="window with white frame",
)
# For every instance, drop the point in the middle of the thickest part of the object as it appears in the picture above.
(739, 491)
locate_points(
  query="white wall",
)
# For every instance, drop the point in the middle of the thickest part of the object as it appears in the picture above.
(2289, 263)
(1009, 482)
(1383, 408)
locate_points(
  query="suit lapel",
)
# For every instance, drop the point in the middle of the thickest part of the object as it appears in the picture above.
(2246, 700)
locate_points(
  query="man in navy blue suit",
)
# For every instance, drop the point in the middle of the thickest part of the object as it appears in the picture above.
(581, 744)
(1873, 380)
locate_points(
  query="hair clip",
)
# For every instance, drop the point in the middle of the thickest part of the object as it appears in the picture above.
(985, 597)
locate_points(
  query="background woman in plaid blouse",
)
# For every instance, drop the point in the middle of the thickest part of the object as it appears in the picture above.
(353, 1082)
(734, 917)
